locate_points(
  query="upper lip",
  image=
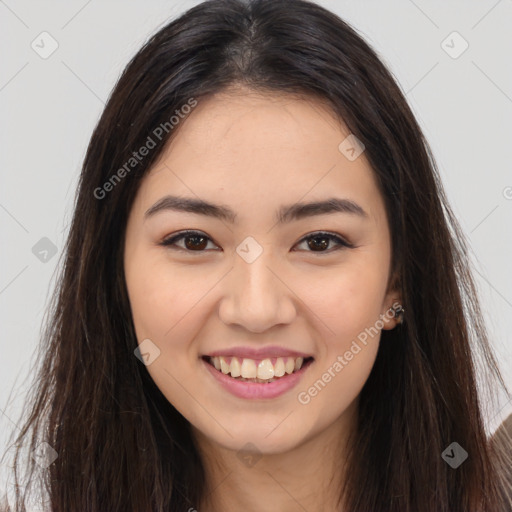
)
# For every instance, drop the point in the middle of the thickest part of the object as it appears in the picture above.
(258, 353)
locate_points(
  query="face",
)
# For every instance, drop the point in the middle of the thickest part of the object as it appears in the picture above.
(262, 279)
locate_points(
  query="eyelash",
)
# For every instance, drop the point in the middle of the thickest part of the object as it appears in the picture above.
(342, 243)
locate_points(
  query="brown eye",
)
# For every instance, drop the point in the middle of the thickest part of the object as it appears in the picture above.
(193, 241)
(319, 242)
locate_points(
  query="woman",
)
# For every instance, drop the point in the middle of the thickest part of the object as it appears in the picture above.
(266, 302)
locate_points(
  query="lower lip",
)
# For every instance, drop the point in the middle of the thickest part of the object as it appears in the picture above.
(257, 390)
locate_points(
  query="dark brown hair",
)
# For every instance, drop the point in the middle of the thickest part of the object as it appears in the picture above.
(121, 445)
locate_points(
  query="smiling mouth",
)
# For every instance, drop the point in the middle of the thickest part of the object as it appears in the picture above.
(259, 371)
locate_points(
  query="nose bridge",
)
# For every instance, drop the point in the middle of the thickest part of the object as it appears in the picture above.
(255, 298)
(256, 286)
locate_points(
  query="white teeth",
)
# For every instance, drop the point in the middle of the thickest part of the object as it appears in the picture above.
(264, 371)
(279, 367)
(234, 367)
(248, 369)
(224, 367)
(289, 365)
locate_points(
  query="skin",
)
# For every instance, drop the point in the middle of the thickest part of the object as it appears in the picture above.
(254, 153)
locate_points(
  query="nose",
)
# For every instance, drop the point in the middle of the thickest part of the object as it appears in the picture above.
(256, 296)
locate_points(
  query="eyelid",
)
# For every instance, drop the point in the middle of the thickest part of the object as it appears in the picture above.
(170, 240)
(340, 240)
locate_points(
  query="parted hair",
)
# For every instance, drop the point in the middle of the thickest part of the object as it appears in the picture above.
(121, 445)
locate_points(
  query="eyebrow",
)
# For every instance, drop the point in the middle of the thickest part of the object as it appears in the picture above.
(285, 214)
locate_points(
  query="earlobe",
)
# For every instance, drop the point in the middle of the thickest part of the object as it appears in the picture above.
(394, 314)
(399, 312)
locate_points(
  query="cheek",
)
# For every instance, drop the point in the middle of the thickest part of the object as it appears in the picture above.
(161, 297)
(162, 302)
(160, 315)
(348, 303)
(347, 300)
(349, 307)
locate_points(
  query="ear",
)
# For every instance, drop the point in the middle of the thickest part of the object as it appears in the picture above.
(392, 302)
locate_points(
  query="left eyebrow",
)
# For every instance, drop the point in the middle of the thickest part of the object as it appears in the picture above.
(284, 215)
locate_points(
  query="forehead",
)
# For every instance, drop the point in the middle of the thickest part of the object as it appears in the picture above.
(242, 121)
(266, 148)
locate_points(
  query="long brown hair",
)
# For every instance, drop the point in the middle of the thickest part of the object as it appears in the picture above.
(121, 445)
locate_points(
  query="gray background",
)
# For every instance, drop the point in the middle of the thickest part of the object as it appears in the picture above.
(50, 106)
